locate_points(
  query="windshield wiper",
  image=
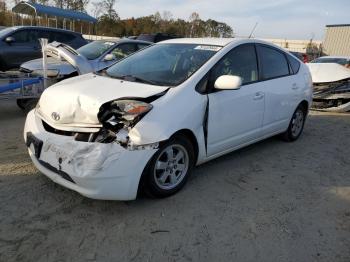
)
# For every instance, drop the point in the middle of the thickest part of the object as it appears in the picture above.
(138, 79)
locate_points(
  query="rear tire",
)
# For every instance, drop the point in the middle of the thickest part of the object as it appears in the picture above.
(296, 125)
(169, 168)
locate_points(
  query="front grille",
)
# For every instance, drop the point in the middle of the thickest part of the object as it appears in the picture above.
(78, 136)
(53, 130)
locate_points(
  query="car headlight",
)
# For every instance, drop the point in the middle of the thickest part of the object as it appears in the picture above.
(49, 72)
(122, 113)
(132, 109)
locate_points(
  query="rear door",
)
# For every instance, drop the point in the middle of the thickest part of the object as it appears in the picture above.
(280, 86)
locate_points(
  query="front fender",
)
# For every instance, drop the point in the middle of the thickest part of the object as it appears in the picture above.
(177, 110)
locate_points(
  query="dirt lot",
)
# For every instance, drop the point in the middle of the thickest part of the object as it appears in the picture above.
(272, 201)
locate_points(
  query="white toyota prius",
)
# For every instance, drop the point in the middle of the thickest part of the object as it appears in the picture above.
(149, 119)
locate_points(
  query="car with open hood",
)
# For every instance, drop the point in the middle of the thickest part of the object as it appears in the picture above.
(149, 119)
(64, 62)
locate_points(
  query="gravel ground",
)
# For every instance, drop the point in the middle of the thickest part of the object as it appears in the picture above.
(272, 201)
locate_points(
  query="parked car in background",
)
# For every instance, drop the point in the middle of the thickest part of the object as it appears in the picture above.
(331, 86)
(302, 56)
(64, 62)
(341, 60)
(150, 118)
(155, 38)
(21, 43)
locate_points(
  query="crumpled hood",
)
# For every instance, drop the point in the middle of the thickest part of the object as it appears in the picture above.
(52, 64)
(76, 101)
(328, 72)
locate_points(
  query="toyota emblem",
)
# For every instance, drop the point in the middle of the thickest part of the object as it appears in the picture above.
(55, 116)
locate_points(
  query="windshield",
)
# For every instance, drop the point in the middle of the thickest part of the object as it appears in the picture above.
(4, 32)
(341, 61)
(95, 49)
(163, 64)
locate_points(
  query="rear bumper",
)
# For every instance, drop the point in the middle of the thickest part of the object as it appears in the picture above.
(95, 170)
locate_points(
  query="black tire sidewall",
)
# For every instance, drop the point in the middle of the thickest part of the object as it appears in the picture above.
(150, 185)
(290, 135)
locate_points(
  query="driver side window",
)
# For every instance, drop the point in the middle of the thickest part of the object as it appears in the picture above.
(241, 61)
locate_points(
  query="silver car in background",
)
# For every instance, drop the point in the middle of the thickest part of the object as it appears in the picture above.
(65, 62)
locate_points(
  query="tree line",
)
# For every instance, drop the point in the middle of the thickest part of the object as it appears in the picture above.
(110, 24)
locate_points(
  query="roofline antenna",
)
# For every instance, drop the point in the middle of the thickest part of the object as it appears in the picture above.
(251, 33)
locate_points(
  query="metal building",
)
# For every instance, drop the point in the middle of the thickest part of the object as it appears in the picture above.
(337, 40)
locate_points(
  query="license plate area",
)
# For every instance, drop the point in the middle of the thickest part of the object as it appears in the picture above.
(36, 142)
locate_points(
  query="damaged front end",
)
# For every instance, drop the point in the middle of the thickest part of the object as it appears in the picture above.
(118, 118)
(334, 96)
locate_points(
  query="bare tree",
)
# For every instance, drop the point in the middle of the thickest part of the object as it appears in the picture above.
(108, 7)
(97, 9)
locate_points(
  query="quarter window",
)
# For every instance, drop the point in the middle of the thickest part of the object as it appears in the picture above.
(241, 61)
(274, 63)
(61, 37)
(295, 64)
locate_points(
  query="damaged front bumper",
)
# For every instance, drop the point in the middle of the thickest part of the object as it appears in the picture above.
(96, 170)
(332, 97)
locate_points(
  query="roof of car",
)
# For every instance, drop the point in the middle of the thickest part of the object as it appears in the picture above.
(44, 27)
(217, 41)
(201, 41)
(340, 57)
(123, 40)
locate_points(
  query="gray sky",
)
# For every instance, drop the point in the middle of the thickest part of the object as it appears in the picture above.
(291, 19)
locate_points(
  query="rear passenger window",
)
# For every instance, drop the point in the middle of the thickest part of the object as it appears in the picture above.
(61, 37)
(43, 34)
(274, 63)
(241, 61)
(295, 64)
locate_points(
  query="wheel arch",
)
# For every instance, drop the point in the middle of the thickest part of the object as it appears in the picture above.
(305, 105)
(190, 136)
(187, 133)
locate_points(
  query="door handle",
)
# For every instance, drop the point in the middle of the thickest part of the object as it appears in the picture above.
(259, 95)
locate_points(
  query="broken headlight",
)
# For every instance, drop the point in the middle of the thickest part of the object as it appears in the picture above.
(122, 113)
(118, 117)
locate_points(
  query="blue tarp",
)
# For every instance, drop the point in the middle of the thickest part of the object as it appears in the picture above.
(19, 84)
(30, 8)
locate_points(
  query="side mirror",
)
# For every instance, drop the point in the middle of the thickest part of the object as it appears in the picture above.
(228, 82)
(109, 57)
(10, 39)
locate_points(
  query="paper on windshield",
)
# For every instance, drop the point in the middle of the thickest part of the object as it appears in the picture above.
(208, 47)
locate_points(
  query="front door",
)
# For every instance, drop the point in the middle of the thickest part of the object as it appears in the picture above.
(235, 117)
(25, 47)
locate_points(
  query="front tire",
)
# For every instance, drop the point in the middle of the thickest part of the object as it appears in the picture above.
(296, 125)
(170, 167)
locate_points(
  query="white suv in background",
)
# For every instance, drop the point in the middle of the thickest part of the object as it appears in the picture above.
(150, 118)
